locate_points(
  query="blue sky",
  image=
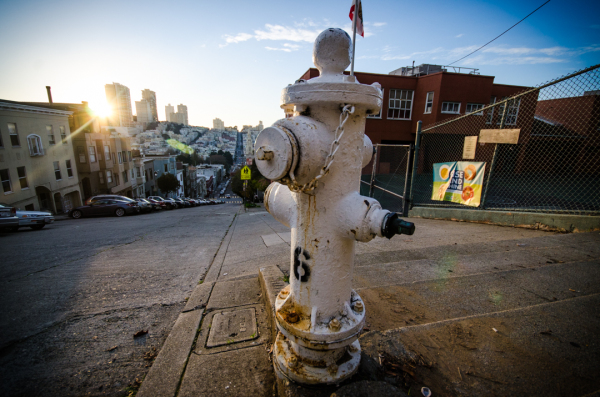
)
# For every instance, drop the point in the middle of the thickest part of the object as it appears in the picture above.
(230, 59)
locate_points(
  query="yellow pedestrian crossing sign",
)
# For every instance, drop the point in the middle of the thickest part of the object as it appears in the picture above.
(245, 173)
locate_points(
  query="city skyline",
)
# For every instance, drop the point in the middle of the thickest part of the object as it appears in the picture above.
(236, 70)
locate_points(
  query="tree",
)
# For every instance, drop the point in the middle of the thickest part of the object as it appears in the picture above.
(220, 159)
(257, 182)
(167, 183)
(228, 157)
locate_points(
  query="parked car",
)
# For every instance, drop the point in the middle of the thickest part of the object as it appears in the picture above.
(181, 202)
(169, 203)
(108, 196)
(189, 200)
(8, 218)
(34, 219)
(145, 205)
(157, 205)
(228, 196)
(106, 207)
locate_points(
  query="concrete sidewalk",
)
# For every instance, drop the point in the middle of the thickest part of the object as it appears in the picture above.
(462, 308)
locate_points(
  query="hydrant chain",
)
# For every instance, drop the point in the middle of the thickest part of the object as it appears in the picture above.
(309, 186)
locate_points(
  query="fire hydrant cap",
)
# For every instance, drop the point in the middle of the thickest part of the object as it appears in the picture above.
(332, 52)
(281, 153)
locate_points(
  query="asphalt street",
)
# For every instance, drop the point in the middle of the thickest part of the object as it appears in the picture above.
(74, 294)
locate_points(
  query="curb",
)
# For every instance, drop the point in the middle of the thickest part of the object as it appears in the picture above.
(271, 282)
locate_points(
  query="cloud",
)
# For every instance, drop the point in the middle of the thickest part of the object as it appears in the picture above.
(279, 32)
(499, 55)
(287, 47)
(379, 24)
(459, 35)
(238, 38)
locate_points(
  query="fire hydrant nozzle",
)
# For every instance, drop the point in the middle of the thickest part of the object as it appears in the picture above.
(315, 160)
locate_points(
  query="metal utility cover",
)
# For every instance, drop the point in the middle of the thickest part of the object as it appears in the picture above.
(232, 327)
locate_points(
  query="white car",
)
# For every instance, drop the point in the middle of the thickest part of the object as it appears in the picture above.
(34, 219)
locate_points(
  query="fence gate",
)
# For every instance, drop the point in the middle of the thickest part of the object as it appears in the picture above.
(386, 178)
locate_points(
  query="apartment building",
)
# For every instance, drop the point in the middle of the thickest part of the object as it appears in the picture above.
(430, 93)
(37, 162)
(150, 97)
(169, 109)
(119, 100)
(143, 112)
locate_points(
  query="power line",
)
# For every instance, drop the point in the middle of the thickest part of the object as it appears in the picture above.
(500, 34)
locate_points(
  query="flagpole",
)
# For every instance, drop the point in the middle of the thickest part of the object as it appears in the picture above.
(356, 2)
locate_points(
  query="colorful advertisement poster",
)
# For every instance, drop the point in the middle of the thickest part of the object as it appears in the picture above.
(459, 182)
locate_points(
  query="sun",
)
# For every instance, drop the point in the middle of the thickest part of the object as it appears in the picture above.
(101, 110)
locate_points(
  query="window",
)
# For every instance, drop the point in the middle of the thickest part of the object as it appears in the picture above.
(14, 135)
(124, 155)
(378, 115)
(151, 174)
(50, 132)
(69, 169)
(129, 156)
(117, 181)
(108, 176)
(106, 152)
(81, 153)
(400, 104)
(120, 159)
(125, 177)
(1, 144)
(57, 171)
(511, 113)
(451, 107)
(63, 134)
(5, 178)
(166, 168)
(132, 173)
(114, 158)
(92, 152)
(22, 178)
(139, 174)
(429, 103)
(490, 112)
(35, 145)
(474, 107)
(101, 177)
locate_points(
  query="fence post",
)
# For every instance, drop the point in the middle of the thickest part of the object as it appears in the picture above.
(372, 187)
(487, 183)
(406, 176)
(415, 166)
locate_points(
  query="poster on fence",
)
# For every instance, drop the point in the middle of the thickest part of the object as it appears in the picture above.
(459, 182)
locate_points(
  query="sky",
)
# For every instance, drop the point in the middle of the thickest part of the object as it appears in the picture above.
(231, 59)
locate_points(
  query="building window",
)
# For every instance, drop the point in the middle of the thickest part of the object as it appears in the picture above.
(114, 158)
(132, 173)
(57, 171)
(474, 107)
(101, 177)
(117, 181)
(490, 112)
(107, 152)
(124, 155)
(14, 135)
(400, 104)
(69, 169)
(511, 113)
(35, 145)
(81, 153)
(451, 107)
(108, 176)
(129, 156)
(22, 178)
(429, 103)
(120, 160)
(5, 178)
(151, 174)
(125, 177)
(63, 134)
(92, 153)
(50, 132)
(166, 168)
(139, 174)
(378, 115)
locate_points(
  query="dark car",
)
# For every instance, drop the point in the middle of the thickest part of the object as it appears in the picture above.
(108, 196)
(145, 205)
(157, 204)
(106, 207)
(181, 202)
(8, 218)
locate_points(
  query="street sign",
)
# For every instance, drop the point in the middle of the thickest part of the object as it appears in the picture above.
(245, 173)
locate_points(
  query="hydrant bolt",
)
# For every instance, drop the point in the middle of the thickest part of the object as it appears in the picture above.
(358, 307)
(335, 325)
(293, 317)
(292, 361)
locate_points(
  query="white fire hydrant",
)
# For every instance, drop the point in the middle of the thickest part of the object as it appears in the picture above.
(316, 158)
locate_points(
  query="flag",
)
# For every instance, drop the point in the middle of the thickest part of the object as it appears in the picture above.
(359, 21)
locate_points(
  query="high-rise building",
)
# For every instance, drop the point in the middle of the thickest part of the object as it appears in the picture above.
(168, 110)
(150, 96)
(218, 124)
(143, 110)
(119, 101)
(183, 110)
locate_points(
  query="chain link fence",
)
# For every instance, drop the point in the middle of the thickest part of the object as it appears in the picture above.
(387, 176)
(554, 167)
